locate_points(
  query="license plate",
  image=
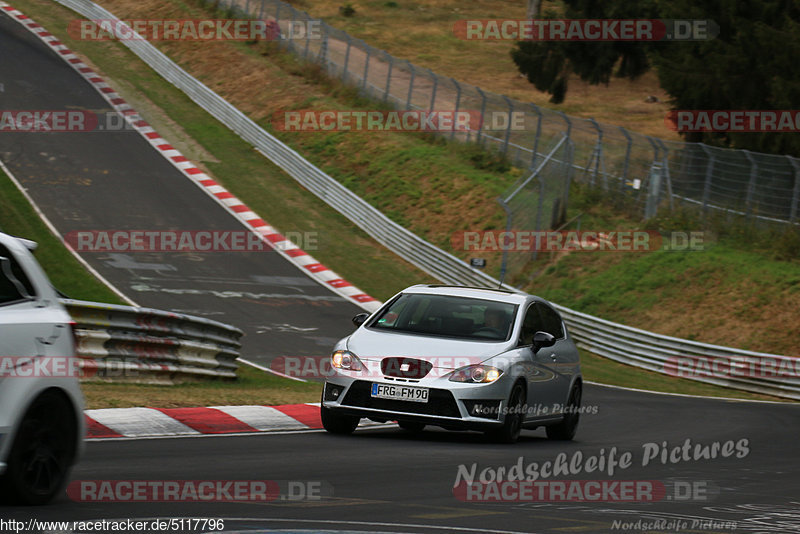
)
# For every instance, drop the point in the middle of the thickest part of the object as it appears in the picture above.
(404, 393)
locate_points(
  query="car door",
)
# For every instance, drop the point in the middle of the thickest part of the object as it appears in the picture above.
(562, 357)
(544, 383)
(26, 328)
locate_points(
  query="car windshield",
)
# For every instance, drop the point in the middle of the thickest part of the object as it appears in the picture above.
(441, 315)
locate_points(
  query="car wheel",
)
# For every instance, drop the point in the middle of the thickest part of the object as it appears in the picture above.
(509, 432)
(565, 430)
(411, 426)
(42, 452)
(337, 424)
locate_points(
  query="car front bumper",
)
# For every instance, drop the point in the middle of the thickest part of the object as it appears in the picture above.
(451, 405)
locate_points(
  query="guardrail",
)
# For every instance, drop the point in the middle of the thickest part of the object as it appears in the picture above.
(615, 341)
(130, 344)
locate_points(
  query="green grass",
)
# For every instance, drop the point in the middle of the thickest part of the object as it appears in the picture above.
(251, 387)
(18, 218)
(605, 371)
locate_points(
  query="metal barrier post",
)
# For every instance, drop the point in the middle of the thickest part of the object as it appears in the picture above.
(626, 163)
(366, 68)
(346, 57)
(508, 126)
(433, 93)
(535, 151)
(751, 183)
(410, 85)
(483, 113)
(388, 77)
(458, 104)
(709, 174)
(796, 190)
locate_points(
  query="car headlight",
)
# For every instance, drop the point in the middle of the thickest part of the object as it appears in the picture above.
(477, 374)
(344, 359)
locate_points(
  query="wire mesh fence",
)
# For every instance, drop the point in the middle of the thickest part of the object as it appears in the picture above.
(647, 172)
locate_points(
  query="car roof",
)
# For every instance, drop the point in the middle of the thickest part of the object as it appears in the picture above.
(497, 295)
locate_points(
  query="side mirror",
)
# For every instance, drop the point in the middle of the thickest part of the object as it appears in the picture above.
(542, 339)
(359, 319)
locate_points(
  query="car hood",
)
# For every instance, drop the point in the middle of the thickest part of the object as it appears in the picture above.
(440, 351)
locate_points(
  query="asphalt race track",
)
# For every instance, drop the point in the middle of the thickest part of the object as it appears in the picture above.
(117, 181)
(379, 479)
(388, 480)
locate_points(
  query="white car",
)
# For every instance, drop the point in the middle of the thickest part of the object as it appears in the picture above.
(459, 358)
(41, 406)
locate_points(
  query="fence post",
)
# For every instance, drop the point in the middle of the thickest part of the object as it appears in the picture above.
(290, 33)
(504, 263)
(346, 57)
(751, 183)
(665, 171)
(709, 174)
(597, 153)
(261, 11)
(508, 126)
(388, 76)
(483, 113)
(247, 7)
(278, 6)
(410, 85)
(435, 84)
(626, 163)
(653, 191)
(323, 48)
(308, 34)
(366, 68)
(458, 104)
(796, 190)
(538, 134)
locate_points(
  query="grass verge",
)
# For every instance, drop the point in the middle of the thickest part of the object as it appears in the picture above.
(253, 386)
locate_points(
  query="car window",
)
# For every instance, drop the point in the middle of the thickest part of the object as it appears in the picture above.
(14, 284)
(444, 315)
(530, 325)
(551, 321)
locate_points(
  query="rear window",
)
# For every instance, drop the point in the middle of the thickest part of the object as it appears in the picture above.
(14, 284)
(448, 316)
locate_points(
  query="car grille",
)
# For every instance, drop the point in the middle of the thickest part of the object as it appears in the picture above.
(413, 368)
(440, 402)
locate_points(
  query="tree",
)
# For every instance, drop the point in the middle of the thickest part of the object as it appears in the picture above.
(750, 65)
(548, 64)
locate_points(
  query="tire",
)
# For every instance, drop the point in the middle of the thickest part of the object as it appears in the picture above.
(337, 424)
(411, 426)
(42, 453)
(565, 430)
(509, 432)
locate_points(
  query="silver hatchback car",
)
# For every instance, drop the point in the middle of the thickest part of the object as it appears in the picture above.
(459, 358)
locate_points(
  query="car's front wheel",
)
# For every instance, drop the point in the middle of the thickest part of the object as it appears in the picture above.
(509, 432)
(565, 430)
(42, 452)
(336, 423)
